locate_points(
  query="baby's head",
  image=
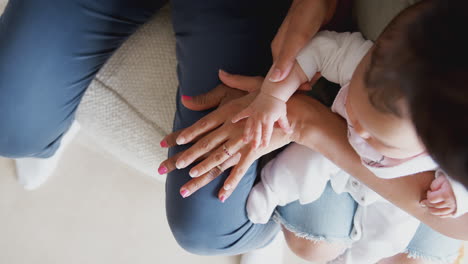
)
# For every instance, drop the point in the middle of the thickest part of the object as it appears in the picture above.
(414, 79)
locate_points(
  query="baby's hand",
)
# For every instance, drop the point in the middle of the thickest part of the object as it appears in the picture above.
(440, 198)
(262, 114)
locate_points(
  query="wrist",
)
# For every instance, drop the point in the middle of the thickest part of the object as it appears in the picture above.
(306, 134)
(305, 131)
(267, 95)
(283, 90)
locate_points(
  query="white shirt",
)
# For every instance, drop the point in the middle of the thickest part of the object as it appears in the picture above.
(380, 228)
(336, 56)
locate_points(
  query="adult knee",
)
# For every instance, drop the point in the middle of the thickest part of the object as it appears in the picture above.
(195, 241)
(313, 251)
(19, 137)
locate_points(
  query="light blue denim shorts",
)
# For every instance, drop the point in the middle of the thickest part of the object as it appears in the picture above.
(330, 219)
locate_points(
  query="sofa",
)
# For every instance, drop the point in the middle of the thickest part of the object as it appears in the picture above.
(130, 105)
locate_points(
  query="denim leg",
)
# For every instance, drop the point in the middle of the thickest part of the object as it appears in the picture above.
(50, 50)
(431, 245)
(234, 35)
(330, 218)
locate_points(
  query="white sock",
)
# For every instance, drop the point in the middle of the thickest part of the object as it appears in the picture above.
(33, 172)
(271, 254)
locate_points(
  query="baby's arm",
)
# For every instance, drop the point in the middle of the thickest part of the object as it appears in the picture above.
(334, 55)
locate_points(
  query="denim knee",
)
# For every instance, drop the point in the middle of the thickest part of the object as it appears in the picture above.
(202, 225)
(247, 237)
(21, 138)
(195, 242)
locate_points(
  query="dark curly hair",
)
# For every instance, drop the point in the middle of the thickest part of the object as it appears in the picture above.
(422, 58)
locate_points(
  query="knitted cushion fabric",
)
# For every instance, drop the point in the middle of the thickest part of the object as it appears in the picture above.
(130, 105)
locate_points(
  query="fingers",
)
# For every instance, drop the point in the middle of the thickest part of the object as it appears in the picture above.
(197, 183)
(438, 182)
(441, 212)
(236, 175)
(243, 114)
(205, 124)
(257, 135)
(201, 147)
(443, 193)
(284, 124)
(443, 204)
(170, 140)
(169, 164)
(248, 130)
(267, 130)
(241, 82)
(217, 157)
(441, 209)
(205, 101)
(435, 197)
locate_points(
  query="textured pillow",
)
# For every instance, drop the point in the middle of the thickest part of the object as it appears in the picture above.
(130, 105)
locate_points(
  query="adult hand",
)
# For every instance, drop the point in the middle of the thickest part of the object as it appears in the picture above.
(223, 147)
(224, 143)
(304, 19)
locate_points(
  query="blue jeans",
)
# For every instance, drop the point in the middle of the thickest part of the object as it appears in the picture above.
(330, 219)
(50, 50)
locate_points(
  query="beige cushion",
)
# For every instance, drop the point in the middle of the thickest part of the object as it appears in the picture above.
(373, 15)
(130, 105)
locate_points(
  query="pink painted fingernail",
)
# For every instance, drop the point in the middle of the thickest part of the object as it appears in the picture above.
(162, 170)
(222, 198)
(184, 193)
(275, 76)
(163, 144)
(186, 97)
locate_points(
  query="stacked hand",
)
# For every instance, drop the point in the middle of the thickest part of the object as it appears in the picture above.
(262, 114)
(224, 141)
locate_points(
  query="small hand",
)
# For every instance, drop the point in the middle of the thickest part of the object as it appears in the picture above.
(261, 116)
(440, 198)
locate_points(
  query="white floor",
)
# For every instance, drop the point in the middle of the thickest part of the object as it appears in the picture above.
(94, 210)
